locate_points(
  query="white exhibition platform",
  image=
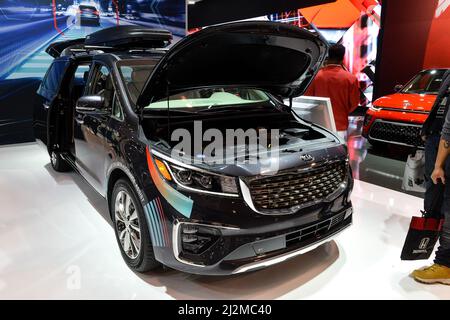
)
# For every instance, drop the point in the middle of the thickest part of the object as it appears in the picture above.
(56, 243)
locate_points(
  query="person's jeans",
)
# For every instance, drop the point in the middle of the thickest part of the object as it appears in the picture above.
(436, 202)
(433, 193)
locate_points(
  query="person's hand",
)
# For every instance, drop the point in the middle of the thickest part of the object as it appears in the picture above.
(438, 174)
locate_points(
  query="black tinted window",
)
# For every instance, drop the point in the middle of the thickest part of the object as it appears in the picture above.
(426, 82)
(50, 84)
(79, 80)
(81, 74)
(87, 8)
(102, 85)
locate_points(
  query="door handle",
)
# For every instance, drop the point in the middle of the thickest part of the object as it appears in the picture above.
(46, 106)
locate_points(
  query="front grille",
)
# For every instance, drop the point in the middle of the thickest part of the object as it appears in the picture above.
(297, 187)
(315, 231)
(396, 133)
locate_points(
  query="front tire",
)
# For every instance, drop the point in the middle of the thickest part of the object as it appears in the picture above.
(131, 229)
(58, 163)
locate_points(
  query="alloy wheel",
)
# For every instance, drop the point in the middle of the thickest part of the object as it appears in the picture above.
(127, 224)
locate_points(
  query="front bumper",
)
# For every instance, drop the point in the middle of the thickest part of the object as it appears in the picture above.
(394, 127)
(281, 257)
(221, 235)
(259, 250)
(90, 19)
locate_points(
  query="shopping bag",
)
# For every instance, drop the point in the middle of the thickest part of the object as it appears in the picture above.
(414, 176)
(422, 236)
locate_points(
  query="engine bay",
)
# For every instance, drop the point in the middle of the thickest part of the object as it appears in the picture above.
(240, 133)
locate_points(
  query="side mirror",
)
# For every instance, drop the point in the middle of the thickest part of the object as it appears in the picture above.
(90, 103)
(398, 87)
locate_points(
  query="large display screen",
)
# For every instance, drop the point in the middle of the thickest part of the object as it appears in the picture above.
(29, 26)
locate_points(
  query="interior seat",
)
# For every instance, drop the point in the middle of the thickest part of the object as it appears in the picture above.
(138, 79)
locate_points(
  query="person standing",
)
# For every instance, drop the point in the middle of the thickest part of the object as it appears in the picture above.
(431, 134)
(335, 82)
(436, 134)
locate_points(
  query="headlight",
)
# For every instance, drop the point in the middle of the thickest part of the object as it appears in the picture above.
(197, 180)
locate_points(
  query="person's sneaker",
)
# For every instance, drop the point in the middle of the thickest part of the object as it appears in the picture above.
(432, 274)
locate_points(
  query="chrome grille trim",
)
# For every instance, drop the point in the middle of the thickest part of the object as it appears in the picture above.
(405, 134)
(293, 189)
(402, 110)
(314, 230)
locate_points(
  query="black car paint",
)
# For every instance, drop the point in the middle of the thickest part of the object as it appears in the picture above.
(117, 148)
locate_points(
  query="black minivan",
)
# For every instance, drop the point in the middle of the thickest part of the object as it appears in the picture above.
(115, 105)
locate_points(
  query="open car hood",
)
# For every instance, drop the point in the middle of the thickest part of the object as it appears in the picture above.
(275, 57)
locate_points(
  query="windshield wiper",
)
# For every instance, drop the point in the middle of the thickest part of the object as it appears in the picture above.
(216, 109)
(170, 111)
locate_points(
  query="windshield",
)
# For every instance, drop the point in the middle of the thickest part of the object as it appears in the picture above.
(136, 73)
(210, 98)
(426, 82)
(84, 7)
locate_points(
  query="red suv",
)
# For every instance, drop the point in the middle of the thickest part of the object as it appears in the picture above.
(398, 118)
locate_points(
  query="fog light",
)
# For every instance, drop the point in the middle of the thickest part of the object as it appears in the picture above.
(189, 238)
(196, 239)
(188, 229)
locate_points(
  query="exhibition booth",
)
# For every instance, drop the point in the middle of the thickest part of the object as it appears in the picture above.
(220, 150)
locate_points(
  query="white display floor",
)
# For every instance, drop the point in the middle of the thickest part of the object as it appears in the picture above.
(56, 243)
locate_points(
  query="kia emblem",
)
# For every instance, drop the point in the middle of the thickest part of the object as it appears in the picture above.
(307, 157)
